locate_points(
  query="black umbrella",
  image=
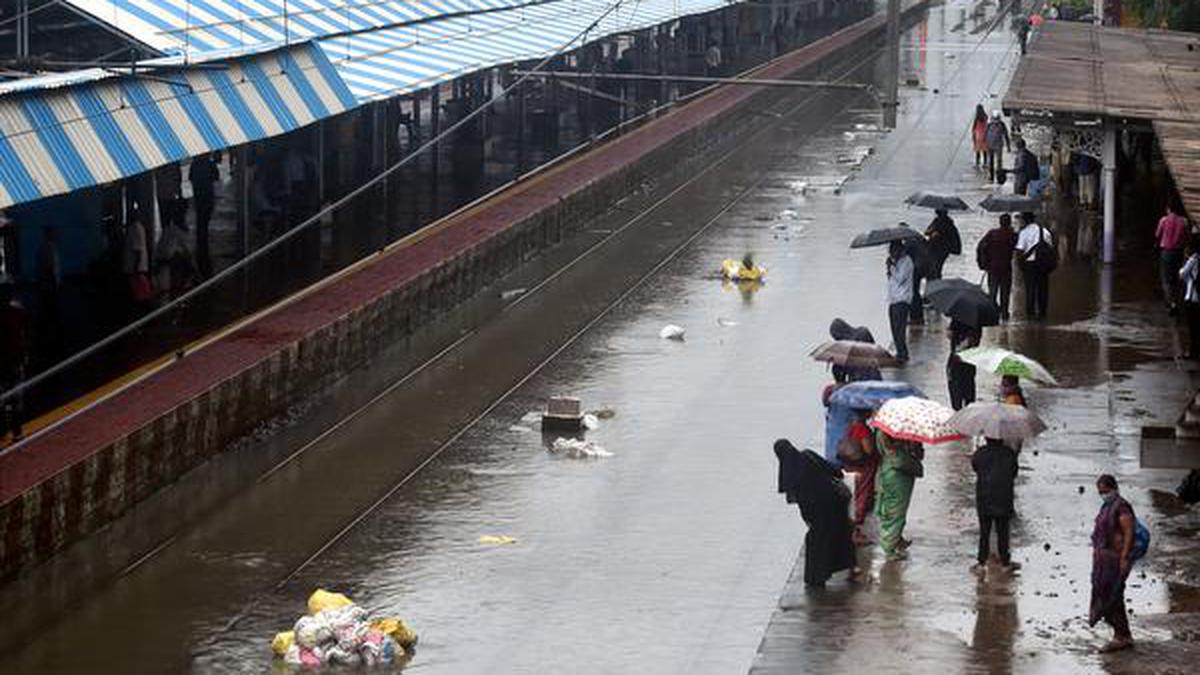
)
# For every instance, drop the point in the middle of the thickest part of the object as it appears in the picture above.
(884, 235)
(963, 301)
(949, 283)
(1010, 204)
(932, 201)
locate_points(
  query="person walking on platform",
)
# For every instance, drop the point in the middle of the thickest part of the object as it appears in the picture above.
(14, 354)
(1170, 236)
(1025, 168)
(899, 295)
(204, 175)
(979, 135)
(1112, 549)
(1039, 259)
(1190, 275)
(994, 255)
(944, 241)
(997, 139)
(960, 375)
(995, 466)
(900, 465)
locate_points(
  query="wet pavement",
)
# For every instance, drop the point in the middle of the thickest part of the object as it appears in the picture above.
(1116, 354)
(668, 556)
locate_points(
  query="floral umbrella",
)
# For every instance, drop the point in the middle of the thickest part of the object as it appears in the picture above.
(915, 419)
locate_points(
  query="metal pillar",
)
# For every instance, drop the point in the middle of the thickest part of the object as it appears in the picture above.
(435, 104)
(243, 164)
(521, 108)
(1110, 190)
(891, 93)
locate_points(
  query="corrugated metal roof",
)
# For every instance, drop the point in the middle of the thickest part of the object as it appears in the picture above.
(198, 26)
(70, 137)
(1081, 69)
(1180, 143)
(394, 61)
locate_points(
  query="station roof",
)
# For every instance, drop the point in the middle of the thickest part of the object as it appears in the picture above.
(389, 62)
(61, 139)
(198, 26)
(1076, 71)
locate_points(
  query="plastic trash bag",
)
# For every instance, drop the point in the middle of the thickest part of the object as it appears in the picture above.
(578, 449)
(322, 599)
(671, 332)
(498, 539)
(735, 271)
(283, 642)
(397, 630)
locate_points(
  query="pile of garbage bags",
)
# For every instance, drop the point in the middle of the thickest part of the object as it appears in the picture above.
(337, 632)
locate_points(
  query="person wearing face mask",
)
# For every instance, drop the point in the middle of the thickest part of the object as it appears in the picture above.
(1112, 550)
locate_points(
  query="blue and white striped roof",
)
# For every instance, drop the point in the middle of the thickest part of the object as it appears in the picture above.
(198, 26)
(57, 140)
(394, 61)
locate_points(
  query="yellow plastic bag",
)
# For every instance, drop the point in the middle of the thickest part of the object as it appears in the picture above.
(322, 600)
(497, 539)
(395, 629)
(734, 271)
(282, 642)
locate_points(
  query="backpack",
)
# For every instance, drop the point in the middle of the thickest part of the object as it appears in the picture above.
(981, 253)
(1032, 170)
(1045, 256)
(1141, 540)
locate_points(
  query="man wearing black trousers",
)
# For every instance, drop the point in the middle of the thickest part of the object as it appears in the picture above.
(995, 467)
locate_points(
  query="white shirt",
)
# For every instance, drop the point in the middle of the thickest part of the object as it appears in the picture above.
(1189, 274)
(900, 281)
(1028, 238)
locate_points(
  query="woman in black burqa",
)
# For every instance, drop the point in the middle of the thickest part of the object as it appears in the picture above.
(817, 488)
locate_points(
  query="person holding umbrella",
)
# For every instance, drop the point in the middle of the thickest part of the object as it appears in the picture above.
(902, 426)
(995, 465)
(900, 280)
(944, 241)
(849, 438)
(960, 375)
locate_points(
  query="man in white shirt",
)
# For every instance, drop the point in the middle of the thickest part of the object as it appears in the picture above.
(899, 295)
(1036, 253)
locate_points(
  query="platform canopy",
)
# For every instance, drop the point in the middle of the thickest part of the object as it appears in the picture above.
(1079, 74)
(387, 62)
(199, 26)
(63, 133)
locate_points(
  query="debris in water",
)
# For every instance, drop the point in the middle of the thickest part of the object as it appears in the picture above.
(1046, 546)
(519, 428)
(671, 332)
(800, 186)
(1081, 490)
(513, 293)
(336, 632)
(727, 323)
(562, 413)
(788, 214)
(578, 449)
(605, 413)
(497, 539)
(590, 421)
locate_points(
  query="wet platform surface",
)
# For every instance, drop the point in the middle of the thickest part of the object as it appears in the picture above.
(670, 555)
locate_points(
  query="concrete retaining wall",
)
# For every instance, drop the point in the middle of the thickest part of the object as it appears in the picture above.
(91, 490)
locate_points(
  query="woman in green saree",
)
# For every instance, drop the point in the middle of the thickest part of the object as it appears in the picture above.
(899, 468)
